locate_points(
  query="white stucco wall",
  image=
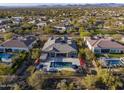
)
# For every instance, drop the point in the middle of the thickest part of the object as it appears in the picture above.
(89, 46)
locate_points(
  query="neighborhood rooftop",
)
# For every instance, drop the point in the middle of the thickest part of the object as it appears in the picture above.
(60, 44)
(101, 42)
(19, 42)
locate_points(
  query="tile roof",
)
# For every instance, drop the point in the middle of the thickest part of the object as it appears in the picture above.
(14, 43)
(59, 44)
(20, 42)
(104, 43)
(109, 44)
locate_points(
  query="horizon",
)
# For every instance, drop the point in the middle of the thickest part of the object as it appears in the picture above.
(36, 4)
(61, 1)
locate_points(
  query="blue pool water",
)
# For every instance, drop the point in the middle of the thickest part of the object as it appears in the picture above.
(113, 62)
(60, 64)
(3, 55)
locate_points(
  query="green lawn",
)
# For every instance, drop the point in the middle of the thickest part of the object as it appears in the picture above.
(115, 55)
(102, 32)
(99, 55)
(110, 55)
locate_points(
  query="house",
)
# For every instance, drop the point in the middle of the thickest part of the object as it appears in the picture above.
(17, 44)
(60, 47)
(64, 25)
(59, 29)
(4, 25)
(51, 20)
(41, 24)
(119, 23)
(4, 21)
(99, 24)
(59, 53)
(32, 22)
(17, 20)
(4, 28)
(103, 45)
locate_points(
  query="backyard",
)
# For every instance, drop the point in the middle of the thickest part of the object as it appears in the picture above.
(115, 55)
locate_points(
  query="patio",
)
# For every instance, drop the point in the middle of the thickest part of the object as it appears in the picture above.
(73, 61)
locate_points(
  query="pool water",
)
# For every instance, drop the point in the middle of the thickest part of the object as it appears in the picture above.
(7, 56)
(60, 64)
(113, 62)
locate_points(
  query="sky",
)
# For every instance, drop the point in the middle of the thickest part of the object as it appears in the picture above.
(10, 2)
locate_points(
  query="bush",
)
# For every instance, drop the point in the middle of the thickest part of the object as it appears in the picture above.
(4, 69)
(66, 73)
(90, 56)
(36, 52)
(8, 36)
(36, 80)
(18, 61)
(82, 34)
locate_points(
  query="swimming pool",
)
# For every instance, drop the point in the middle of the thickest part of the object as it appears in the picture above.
(7, 56)
(61, 64)
(112, 62)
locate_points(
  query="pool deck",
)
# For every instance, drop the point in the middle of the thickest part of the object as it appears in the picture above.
(116, 62)
(74, 61)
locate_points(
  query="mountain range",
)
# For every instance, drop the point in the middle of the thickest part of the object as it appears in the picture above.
(61, 5)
